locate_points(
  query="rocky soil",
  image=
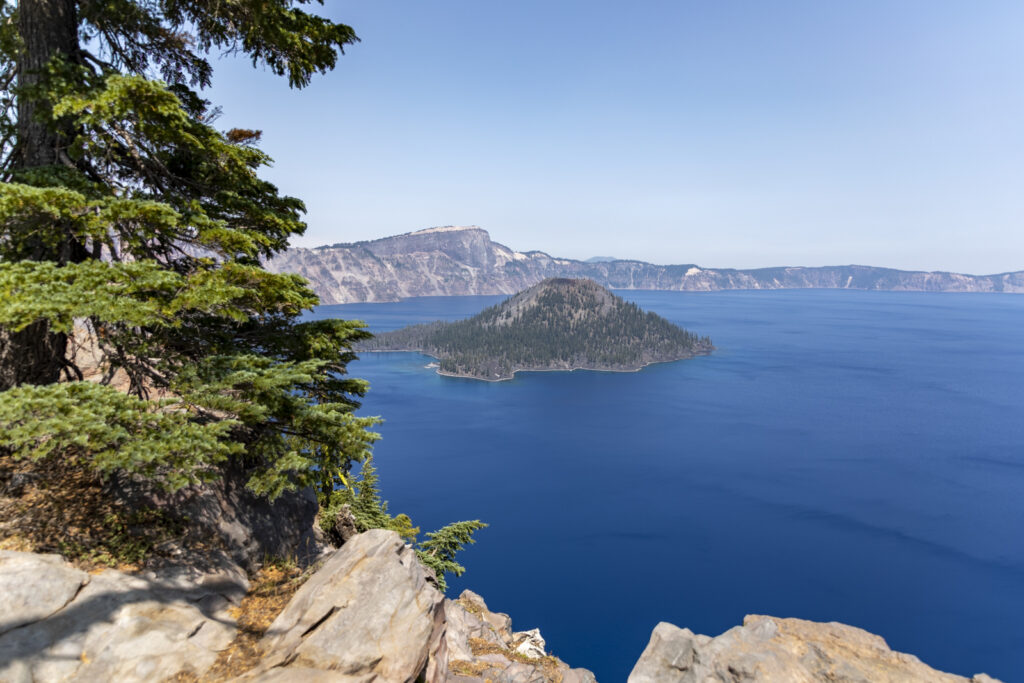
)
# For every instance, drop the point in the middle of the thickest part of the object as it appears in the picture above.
(457, 260)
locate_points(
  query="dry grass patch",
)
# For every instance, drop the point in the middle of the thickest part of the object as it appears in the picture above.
(59, 507)
(463, 668)
(549, 665)
(271, 590)
(470, 606)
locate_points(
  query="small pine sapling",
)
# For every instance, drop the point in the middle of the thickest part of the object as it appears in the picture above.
(438, 551)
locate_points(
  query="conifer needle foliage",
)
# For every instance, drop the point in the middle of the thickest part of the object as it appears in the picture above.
(130, 224)
(370, 511)
(129, 220)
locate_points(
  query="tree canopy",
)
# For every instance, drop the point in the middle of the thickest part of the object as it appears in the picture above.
(132, 232)
(129, 222)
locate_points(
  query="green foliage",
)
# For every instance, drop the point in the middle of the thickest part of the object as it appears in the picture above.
(145, 240)
(439, 550)
(145, 35)
(113, 431)
(135, 227)
(362, 497)
(370, 511)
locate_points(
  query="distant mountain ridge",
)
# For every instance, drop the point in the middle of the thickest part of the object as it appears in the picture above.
(463, 260)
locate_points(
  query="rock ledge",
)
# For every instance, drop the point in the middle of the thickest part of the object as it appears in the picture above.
(772, 649)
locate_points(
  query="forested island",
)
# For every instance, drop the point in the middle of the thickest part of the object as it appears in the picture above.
(558, 324)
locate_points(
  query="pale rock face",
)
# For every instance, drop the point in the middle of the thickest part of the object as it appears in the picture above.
(771, 649)
(457, 260)
(369, 612)
(62, 624)
(34, 587)
(482, 647)
(530, 644)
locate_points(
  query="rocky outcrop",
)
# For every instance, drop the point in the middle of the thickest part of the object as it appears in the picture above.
(369, 613)
(59, 623)
(456, 260)
(482, 647)
(771, 649)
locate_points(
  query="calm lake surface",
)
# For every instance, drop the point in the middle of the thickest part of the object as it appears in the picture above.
(843, 456)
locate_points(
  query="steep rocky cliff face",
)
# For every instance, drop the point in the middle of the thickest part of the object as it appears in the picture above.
(454, 261)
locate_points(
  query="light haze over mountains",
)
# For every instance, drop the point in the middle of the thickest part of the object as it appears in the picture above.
(737, 134)
(463, 260)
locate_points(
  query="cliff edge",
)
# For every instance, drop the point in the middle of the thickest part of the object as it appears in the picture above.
(366, 612)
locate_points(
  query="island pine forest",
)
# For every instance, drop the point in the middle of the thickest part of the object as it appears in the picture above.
(559, 324)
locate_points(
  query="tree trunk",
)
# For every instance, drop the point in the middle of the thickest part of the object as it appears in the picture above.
(48, 28)
(33, 356)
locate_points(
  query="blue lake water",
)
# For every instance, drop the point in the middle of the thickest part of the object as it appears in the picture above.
(842, 456)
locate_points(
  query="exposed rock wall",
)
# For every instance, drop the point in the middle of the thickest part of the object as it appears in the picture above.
(463, 260)
(247, 527)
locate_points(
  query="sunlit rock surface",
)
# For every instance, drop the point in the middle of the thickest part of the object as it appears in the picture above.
(772, 649)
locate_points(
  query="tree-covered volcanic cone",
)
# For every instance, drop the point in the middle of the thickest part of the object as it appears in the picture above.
(558, 324)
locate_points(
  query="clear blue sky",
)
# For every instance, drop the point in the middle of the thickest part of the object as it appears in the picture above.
(720, 132)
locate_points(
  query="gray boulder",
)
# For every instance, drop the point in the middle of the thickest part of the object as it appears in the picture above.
(65, 625)
(34, 587)
(771, 649)
(369, 613)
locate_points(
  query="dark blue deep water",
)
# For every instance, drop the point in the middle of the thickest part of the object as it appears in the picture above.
(846, 456)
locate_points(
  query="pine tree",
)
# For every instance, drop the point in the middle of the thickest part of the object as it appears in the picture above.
(439, 550)
(362, 497)
(129, 219)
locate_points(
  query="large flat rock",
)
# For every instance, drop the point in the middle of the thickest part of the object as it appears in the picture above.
(34, 587)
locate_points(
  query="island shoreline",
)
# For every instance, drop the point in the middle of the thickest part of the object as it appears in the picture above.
(442, 373)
